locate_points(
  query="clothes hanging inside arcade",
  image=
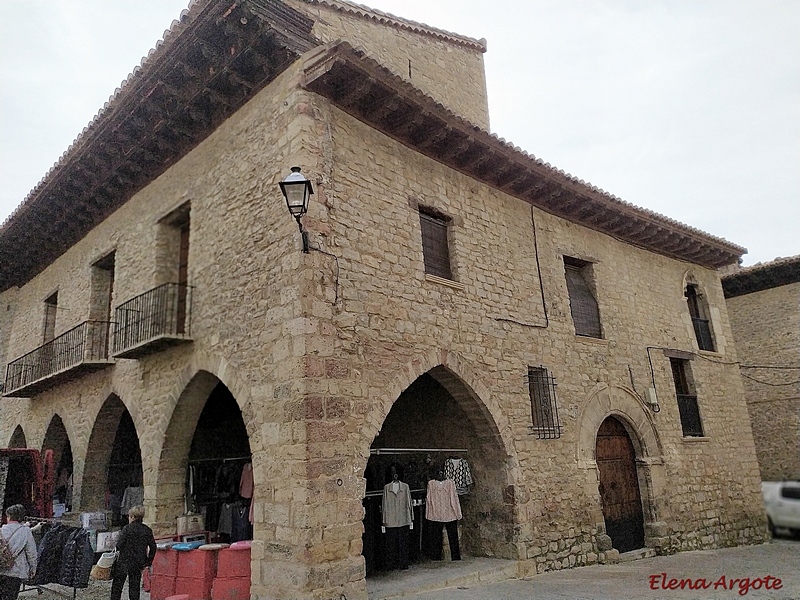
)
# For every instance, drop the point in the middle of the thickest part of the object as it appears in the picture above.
(222, 490)
(387, 547)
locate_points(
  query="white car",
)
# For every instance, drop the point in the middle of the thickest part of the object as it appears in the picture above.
(782, 501)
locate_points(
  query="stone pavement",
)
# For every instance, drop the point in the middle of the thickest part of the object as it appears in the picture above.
(624, 581)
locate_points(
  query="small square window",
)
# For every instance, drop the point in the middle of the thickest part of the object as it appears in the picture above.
(435, 248)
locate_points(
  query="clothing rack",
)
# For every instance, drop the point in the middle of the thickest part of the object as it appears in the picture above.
(237, 458)
(388, 451)
(40, 589)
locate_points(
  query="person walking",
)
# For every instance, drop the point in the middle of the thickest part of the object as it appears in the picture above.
(137, 549)
(23, 547)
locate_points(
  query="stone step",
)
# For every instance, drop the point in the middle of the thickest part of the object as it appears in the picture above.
(637, 554)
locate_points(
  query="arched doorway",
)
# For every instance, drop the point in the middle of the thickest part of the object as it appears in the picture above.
(18, 438)
(57, 440)
(113, 462)
(619, 486)
(438, 424)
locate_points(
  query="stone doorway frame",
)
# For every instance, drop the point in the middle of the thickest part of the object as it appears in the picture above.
(629, 409)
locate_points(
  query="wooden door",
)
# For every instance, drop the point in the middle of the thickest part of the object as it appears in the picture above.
(183, 278)
(619, 486)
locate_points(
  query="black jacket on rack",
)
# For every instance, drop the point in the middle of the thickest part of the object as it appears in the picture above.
(65, 557)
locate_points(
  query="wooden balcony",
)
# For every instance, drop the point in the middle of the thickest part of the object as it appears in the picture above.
(82, 348)
(152, 321)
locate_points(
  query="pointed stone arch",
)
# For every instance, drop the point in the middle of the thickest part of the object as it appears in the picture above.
(441, 388)
(459, 378)
(627, 407)
(91, 483)
(184, 405)
(57, 439)
(18, 439)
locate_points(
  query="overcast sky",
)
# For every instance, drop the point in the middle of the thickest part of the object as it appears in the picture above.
(690, 108)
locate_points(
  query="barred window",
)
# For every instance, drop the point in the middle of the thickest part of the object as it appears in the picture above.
(688, 409)
(544, 405)
(582, 301)
(435, 249)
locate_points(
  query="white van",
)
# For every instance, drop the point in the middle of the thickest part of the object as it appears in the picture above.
(782, 501)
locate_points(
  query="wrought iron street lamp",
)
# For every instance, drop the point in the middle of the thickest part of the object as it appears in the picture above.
(297, 190)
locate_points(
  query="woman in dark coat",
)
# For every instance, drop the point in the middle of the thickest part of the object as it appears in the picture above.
(137, 549)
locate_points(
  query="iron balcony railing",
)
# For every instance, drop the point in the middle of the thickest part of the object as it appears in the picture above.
(702, 330)
(163, 312)
(85, 343)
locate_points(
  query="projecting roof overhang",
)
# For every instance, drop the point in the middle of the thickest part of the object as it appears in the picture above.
(212, 61)
(364, 89)
(781, 271)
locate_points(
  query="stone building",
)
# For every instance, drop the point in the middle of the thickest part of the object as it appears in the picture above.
(460, 299)
(764, 306)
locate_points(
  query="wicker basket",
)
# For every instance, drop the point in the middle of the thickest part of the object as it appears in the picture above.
(100, 573)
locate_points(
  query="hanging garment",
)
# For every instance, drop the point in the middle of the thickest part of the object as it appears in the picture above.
(241, 529)
(457, 469)
(77, 559)
(225, 518)
(436, 548)
(49, 557)
(133, 496)
(396, 506)
(441, 502)
(246, 481)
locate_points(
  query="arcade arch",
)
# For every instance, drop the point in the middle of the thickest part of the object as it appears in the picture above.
(206, 461)
(436, 418)
(113, 461)
(57, 440)
(18, 438)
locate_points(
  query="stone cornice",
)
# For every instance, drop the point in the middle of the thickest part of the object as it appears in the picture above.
(369, 92)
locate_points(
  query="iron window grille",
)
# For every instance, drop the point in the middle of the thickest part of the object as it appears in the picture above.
(544, 404)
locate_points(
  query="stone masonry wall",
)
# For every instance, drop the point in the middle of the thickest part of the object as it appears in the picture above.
(451, 73)
(766, 327)
(317, 348)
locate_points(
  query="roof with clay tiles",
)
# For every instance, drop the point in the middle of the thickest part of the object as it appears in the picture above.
(191, 82)
(762, 276)
(399, 22)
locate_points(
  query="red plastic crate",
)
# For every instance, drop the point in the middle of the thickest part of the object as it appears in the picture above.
(165, 563)
(234, 563)
(231, 588)
(197, 588)
(200, 564)
(161, 587)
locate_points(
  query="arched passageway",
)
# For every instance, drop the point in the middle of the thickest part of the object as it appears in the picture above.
(18, 438)
(113, 462)
(207, 460)
(57, 440)
(619, 486)
(439, 425)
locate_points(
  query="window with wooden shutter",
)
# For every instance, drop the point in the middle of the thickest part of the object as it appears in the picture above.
(582, 303)
(435, 250)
